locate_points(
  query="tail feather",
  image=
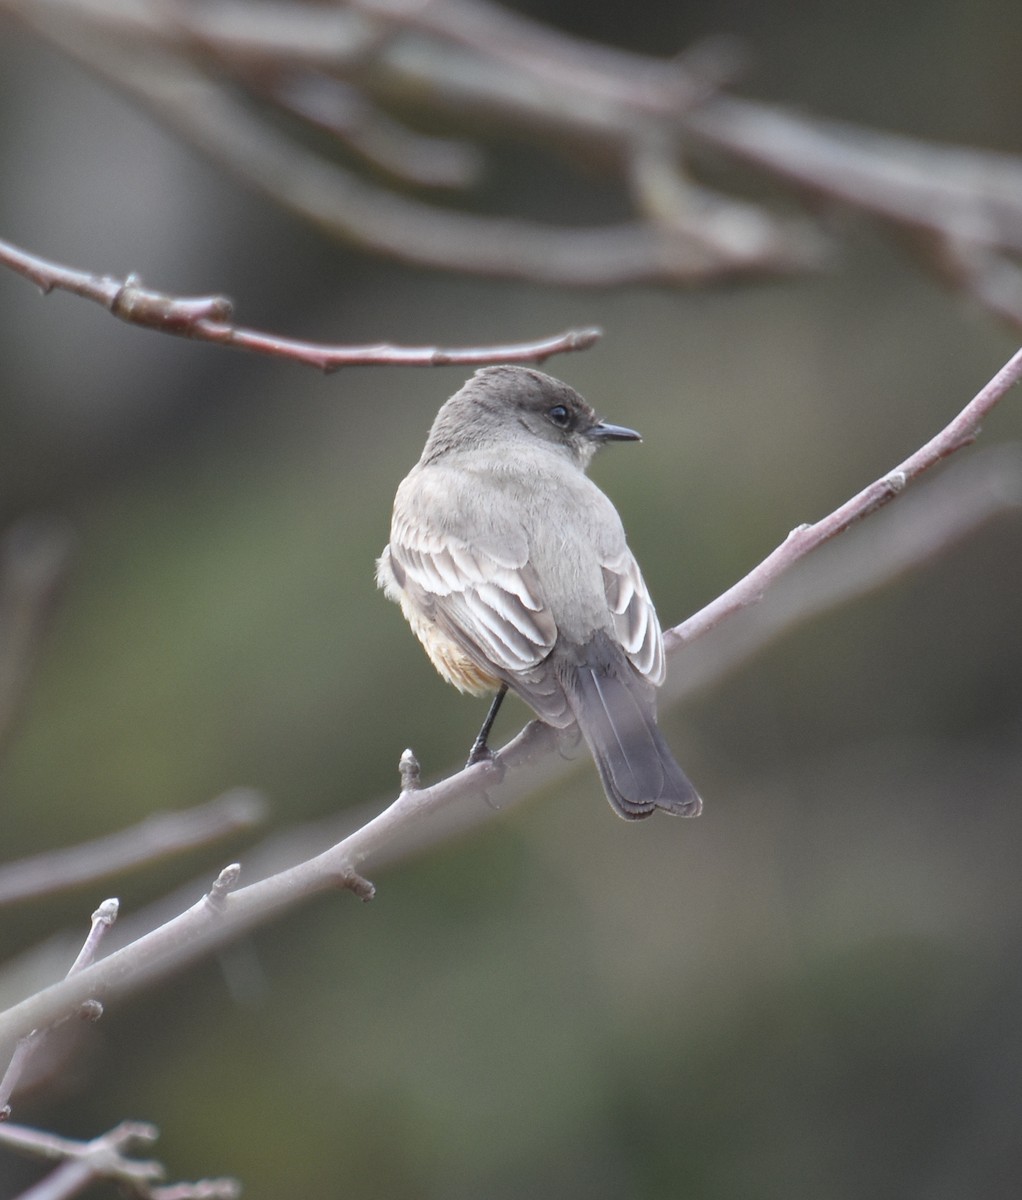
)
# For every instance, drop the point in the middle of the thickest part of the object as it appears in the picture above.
(618, 722)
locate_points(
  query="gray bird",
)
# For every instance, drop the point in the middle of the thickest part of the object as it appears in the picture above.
(511, 567)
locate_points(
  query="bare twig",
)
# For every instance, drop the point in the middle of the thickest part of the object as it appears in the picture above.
(993, 280)
(105, 1157)
(403, 825)
(35, 560)
(472, 63)
(349, 115)
(950, 191)
(924, 524)
(102, 919)
(150, 51)
(205, 319)
(966, 203)
(158, 836)
(958, 433)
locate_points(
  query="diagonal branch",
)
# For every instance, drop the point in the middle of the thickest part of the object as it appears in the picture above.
(959, 432)
(222, 916)
(28, 1046)
(36, 555)
(925, 523)
(173, 59)
(158, 836)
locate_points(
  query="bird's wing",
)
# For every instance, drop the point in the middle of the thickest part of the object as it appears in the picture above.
(483, 592)
(635, 619)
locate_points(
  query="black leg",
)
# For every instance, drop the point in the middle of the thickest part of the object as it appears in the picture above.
(480, 750)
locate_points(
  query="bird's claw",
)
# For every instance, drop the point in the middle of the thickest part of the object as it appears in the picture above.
(480, 752)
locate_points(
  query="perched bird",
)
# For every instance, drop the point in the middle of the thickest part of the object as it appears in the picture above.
(511, 567)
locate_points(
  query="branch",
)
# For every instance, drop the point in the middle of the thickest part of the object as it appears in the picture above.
(966, 203)
(924, 524)
(105, 1157)
(221, 73)
(205, 319)
(35, 560)
(158, 836)
(28, 1046)
(151, 51)
(218, 918)
(801, 541)
(363, 127)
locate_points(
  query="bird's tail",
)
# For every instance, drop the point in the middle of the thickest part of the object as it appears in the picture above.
(614, 709)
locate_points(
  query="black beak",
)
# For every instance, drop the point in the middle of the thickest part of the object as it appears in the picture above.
(605, 432)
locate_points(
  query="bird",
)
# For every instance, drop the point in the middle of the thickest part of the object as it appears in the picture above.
(512, 569)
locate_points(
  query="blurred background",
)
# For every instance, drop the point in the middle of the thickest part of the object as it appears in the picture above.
(812, 990)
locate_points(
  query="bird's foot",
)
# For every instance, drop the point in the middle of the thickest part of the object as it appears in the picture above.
(480, 752)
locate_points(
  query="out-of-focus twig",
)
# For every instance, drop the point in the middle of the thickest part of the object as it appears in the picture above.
(350, 116)
(105, 1157)
(500, 780)
(180, 60)
(158, 836)
(207, 319)
(212, 71)
(963, 204)
(35, 560)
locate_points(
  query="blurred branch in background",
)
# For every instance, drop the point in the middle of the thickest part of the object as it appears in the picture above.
(281, 92)
(407, 825)
(36, 556)
(158, 836)
(83, 1164)
(207, 319)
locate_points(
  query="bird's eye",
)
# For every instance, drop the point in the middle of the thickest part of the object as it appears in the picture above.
(559, 415)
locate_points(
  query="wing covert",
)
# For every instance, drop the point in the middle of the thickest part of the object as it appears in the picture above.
(635, 619)
(492, 607)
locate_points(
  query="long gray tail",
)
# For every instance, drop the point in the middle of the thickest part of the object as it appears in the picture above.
(614, 709)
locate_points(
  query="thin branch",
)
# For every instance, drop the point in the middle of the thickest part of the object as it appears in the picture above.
(498, 782)
(158, 836)
(200, 67)
(994, 281)
(923, 525)
(958, 433)
(952, 191)
(205, 319)
(967, 203)
(36, 555)
(105, 1157)
(355, 121)
(29, 1045)
(545, 58)
(145, 50)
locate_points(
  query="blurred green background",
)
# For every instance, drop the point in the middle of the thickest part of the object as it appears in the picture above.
(815, 989)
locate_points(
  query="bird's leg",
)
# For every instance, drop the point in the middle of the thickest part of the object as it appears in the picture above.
(480, 750)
